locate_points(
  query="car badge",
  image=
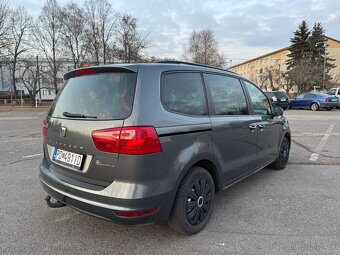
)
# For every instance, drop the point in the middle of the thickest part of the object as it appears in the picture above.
(62, 132)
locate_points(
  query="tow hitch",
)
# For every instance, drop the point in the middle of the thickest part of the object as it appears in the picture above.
(56, 204)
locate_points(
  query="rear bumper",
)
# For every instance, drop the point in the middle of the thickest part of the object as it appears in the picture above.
(282, 104)
(329, 104)
(104, 207)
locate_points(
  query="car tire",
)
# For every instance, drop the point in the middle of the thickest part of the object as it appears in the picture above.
(281, 162)
(194, 202)
(314, 107)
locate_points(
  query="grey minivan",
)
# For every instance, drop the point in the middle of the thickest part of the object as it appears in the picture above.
(143, 143)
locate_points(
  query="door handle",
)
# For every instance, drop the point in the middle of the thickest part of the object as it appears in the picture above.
(261, 126)
(252, 127)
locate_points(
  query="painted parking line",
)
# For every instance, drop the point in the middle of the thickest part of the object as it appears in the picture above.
(319, 148)
(18, 118)
(33, 155)
(20, 140)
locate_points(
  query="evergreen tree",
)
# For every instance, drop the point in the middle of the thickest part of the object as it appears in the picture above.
(300, 46)
(318, 48)
(307, 56)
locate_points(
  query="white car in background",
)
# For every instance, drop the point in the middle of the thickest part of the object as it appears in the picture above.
(334, 92)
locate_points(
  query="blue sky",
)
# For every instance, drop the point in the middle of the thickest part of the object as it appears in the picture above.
(243, 29)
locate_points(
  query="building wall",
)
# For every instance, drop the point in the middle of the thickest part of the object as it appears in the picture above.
(252, 69)
(334, 52)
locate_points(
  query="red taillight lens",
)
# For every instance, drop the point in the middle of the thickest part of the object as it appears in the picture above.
(128, 140)
(135, 214)
(107, 140)
(326, 100)
(84, 72)
(44, 129)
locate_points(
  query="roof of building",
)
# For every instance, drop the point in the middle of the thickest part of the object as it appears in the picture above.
(274, 52)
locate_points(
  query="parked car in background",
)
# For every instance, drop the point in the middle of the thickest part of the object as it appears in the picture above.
(314, 101)
(142, 143)
(334, 92)
(278, 98)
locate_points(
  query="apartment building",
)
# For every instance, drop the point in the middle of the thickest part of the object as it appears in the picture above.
(254, 68)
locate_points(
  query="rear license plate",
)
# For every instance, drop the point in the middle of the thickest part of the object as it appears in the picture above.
(283, 99)
(334, 100)
(68, 158)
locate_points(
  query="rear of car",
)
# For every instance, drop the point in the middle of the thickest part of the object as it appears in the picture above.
(279, 98)
(327, 101)
(93, 161)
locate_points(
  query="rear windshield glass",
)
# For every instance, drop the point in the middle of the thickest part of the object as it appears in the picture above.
(281, 94)
(101, 96)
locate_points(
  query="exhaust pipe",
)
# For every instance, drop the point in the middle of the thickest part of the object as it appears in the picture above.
(56, 204)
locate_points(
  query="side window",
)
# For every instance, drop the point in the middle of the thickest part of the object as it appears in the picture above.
(227, 95)
(308, 95)
(184, 93)
(300, 96)
(338, 92)
(331, 92)
(259, 101)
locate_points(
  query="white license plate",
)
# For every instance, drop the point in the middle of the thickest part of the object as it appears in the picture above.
(283, 99)
(334, 100)
(68, 158)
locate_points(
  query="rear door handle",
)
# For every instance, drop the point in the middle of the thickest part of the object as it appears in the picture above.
(252, 127)
(261, 126)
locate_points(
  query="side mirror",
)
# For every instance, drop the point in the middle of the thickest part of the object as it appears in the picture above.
(278, 111)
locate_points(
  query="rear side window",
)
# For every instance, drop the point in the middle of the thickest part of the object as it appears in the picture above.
(102, 96)
(227, 95)
(310, 96)
(183, 93)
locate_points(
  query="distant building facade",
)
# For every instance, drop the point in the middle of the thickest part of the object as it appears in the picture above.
(45, 82)
(254, 68)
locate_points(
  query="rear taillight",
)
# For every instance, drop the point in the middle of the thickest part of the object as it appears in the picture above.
(326, 100)
(44, 129)
(127, 140)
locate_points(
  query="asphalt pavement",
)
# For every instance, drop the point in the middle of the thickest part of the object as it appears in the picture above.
(293, 211)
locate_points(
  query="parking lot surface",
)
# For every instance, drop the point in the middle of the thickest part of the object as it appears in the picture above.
(293, 211)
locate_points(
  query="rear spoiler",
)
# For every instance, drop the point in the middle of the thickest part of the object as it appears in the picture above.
(99, 69)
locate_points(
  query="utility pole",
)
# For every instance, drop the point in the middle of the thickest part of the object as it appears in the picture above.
(324, 62)
(38, 77)
(324, 66)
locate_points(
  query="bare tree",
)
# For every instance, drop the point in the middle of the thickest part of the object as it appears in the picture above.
(130, 42)
(100, 29)
(286, 82)
(270, 78)
(203, 49)
(4, 26)
(30, 77)
(21, 23)
(73, 32)
(47, 34)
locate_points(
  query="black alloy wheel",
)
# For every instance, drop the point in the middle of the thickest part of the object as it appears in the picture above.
(283, 157)
(194, 202)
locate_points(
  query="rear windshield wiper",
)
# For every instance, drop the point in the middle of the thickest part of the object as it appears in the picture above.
(77, 115)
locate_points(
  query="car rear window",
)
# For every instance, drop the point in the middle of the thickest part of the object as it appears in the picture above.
(102, 96)
(281, 95)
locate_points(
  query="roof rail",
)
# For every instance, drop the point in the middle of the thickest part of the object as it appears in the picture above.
(192, 64)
